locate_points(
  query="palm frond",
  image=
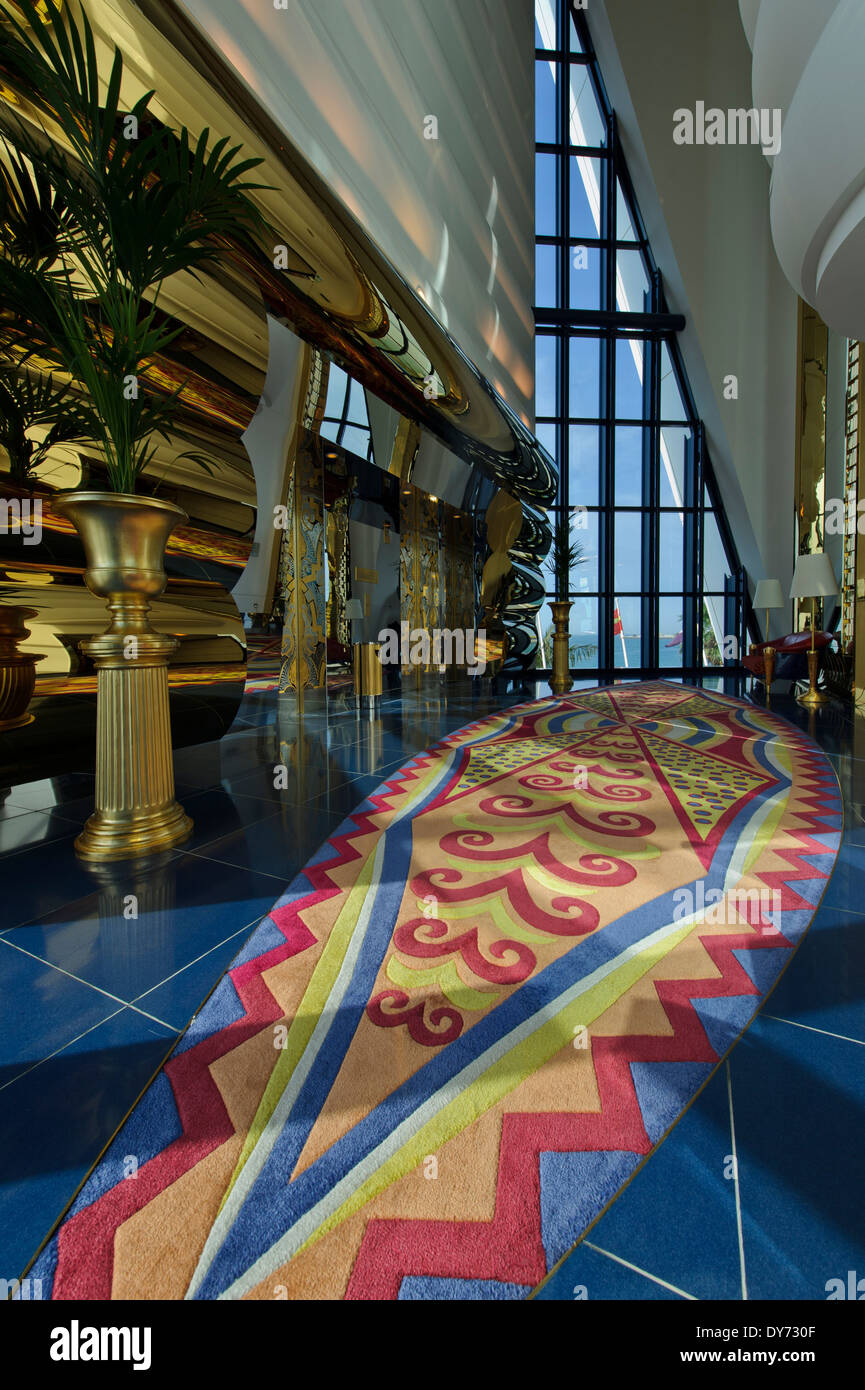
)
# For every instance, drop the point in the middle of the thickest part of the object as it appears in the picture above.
(31, 400)
(567, 554)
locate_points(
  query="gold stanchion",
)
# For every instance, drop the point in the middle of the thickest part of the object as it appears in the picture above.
(367, 669)
(813, 697)
(768, 669)
(813, 578)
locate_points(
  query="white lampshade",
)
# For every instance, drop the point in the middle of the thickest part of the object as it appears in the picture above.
(768, 594)
(813, 577)
(353, 608)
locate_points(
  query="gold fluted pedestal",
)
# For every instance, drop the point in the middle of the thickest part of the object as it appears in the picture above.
(136, 813)
(561, 682)
(124, 539)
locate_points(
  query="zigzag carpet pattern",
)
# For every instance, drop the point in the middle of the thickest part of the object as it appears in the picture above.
(472, 1016)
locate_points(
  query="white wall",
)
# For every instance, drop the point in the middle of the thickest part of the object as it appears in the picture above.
(706, 210)
(351, 81)
(808, 57)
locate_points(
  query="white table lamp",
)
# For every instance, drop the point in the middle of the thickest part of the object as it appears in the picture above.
(768, 594)
(353, 612)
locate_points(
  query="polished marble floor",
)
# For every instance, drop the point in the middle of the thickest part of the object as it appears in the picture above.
(100, 970)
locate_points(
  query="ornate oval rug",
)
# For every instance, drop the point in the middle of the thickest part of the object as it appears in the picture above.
(473, 1015)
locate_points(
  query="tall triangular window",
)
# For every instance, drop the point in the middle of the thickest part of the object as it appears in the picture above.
(659, 587)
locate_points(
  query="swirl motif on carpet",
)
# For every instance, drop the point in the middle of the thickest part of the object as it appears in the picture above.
(474, 1014)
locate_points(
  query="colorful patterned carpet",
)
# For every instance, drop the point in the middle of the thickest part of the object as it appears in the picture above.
(473, 1015)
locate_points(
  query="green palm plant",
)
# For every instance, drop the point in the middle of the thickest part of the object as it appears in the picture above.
(31, 215)
(567, 554)
(123, 203)
(31, 401)
(31, 211)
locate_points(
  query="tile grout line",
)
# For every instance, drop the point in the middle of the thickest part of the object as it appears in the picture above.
(736, 1183)
(172, 1027)
(58, 1050)
(637, 1270)
(825, 910)
(78, 980)
(249, 926)
(245, 869)
(824, 1032)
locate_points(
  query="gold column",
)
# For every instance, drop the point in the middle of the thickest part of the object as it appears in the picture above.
(429, 552)
(855, 426)
(136, 812)
(304, 650)
(459, 587)
(336, 523)
(405, 449)
(421, 580)
(303, 638)
(409, 570)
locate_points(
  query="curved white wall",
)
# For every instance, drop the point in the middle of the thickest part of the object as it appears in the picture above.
(706, 210)
(749, 9)
(783, 39)
(809, 59)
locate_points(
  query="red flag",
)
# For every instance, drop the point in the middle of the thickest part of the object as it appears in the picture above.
(618, 630)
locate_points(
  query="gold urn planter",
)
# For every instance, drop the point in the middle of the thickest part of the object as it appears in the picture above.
(124, 541)
(561, 682)
(17, 669)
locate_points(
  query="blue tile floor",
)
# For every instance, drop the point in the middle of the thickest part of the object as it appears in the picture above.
(757, 1192)
(102, 968)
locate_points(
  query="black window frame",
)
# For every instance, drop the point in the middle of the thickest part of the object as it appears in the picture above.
(657, 327)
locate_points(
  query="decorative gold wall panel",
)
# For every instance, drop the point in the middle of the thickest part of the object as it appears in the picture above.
(855, 428)
(303, 578)
(302, 558)
(409, 564)
(852, 431)
(459, 587)
(810, 499)
(436, 566)
(338, 626)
